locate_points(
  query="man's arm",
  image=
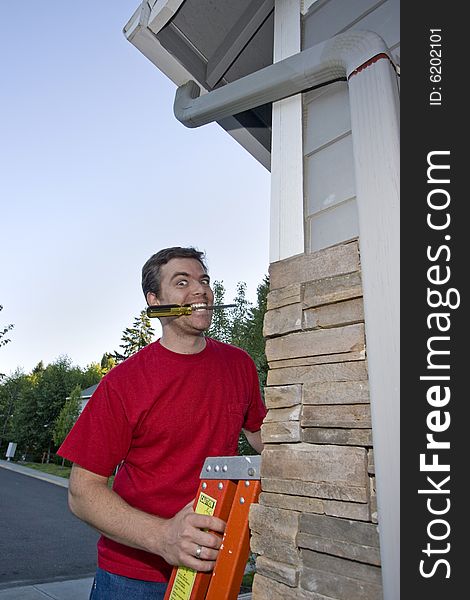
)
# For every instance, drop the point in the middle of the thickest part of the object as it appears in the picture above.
(176, 539)
(254, 439)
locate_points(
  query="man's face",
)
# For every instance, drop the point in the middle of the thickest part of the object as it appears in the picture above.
(184, 281)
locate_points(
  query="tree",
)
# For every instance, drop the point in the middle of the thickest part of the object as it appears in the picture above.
(90, 375)
(39, 399)
(67, 416)
(10, 390)
(4, 331)
(239, 315)
(38, 369)
(3, 339)
(107, 363)
(242, 326)
(53, 387)
(251, 336)
(136, 337)
(221, 319)
(25, 421)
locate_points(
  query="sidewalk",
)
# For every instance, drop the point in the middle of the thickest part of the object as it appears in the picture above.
(13, 466)
(74, 589)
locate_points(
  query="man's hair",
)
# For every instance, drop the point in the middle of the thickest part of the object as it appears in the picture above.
(151, 270)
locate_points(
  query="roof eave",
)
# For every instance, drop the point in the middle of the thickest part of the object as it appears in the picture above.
(138, 32)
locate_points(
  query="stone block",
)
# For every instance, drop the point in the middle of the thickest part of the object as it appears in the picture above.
(334, 315)
(340, 578)
(339, 587)
(340, 537)
(353, 416)
(278, 571)
(315, 489)
(309, 462)
(290, 413)
(330, 262)
(290, 294)
(344, 371)
(313, 343)
(280, 523)
(298, 503)
(345, 530)
(357, 552)
(283, 320)
(318, 360)
(282, 396)
(340, 566)
(273, 547)
(265, 588)
(348, 510)
(274, 533)
(340, 437)
(332, 289)
(332, 468)
(280, 432)
(336, 392)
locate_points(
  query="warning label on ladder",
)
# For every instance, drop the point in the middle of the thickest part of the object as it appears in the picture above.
(185, 577)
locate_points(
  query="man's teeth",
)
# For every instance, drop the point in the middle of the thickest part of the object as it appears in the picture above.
(199, 306)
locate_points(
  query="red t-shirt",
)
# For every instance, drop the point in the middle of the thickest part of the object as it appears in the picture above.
(161, 414)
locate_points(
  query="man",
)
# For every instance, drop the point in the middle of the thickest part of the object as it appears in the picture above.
(158, 415)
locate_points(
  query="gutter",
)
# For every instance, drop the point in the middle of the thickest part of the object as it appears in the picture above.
(336, 58)
(361, 58)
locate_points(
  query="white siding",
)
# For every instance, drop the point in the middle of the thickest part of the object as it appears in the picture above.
(334, 226)
(330, 176)
(331, 117)
(329, 186)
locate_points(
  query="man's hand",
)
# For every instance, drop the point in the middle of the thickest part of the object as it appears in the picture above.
(182, 536)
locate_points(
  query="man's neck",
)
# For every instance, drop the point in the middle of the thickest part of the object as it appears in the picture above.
(183, 344)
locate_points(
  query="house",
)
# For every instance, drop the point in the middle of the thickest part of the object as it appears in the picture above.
(86, 395)
(311, 89)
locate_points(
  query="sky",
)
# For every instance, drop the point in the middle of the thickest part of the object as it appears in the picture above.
(96, 175)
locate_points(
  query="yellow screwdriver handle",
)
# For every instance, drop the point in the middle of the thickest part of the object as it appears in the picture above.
(168, 310)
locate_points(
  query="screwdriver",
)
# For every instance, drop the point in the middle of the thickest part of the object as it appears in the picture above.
(176, 310)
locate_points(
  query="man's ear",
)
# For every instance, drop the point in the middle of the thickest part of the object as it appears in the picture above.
(152, 299)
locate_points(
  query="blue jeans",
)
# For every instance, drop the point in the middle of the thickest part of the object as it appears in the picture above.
(107, 586)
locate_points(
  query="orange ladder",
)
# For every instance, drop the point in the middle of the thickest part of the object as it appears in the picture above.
(229, 486)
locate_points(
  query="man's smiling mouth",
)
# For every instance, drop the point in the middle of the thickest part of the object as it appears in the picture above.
(199, 306)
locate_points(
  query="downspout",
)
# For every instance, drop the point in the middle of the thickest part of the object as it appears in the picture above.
(362, 58)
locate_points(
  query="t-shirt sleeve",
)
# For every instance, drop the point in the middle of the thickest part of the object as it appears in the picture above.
(101, 437)
(256, 409)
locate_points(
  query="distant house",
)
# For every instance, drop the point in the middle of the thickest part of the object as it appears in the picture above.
(85, 395)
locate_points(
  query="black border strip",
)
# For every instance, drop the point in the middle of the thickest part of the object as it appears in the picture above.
(433, 120)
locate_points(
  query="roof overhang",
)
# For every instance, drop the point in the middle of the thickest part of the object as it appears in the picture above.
(212, 43)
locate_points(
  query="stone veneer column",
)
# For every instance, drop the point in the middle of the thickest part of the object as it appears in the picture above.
(315, 527)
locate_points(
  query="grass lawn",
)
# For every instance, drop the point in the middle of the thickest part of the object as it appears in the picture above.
(50, 468)
(54, 469)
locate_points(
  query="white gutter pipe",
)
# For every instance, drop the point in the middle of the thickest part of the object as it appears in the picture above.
(363, 59)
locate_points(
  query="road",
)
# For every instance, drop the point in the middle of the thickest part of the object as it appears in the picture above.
(40, 539)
